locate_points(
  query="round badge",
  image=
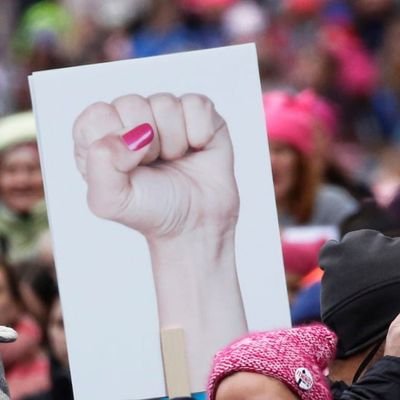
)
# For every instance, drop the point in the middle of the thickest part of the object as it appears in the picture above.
(304, 379)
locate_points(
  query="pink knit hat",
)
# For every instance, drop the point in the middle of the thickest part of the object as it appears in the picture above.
(297, 357)
(303, 6)
(301, 258)
(325, 112)
(358, 72)
(288, 122)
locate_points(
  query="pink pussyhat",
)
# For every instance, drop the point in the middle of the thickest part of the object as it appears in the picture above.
(358, 71)
(301, 258)
(296, 357)
(303, 6)
(324, 111)
(287, 122)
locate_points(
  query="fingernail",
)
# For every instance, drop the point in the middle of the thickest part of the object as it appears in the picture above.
(138, 137)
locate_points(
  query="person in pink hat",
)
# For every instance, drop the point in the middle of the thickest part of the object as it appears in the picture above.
(292, 364)
(301, 197)
(200, 6)
(286, 364)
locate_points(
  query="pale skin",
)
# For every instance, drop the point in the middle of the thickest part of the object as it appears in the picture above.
(392, 346)
(180, 192)
(21, 185)
(252, 386)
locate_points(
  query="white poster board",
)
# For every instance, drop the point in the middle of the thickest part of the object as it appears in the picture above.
(104, 268)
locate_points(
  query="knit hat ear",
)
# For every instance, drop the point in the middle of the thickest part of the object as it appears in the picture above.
(288, 122)
(297, 357)
(323, 348)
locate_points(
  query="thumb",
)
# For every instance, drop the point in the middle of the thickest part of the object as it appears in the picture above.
(109, 163)
(392, 347)
(395, 323)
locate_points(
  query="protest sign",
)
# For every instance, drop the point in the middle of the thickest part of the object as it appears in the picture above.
(144, 164)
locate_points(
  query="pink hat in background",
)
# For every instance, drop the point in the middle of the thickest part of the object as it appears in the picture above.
(324, 111)
(303, 6)
(296, 357)
(358, 72)
(288, 122)
(301, 258)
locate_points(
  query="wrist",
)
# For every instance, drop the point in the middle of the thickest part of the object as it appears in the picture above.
(206, 248)
(192, 270)
(197, 290)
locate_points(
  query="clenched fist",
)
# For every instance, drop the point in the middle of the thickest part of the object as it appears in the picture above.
(162, 165)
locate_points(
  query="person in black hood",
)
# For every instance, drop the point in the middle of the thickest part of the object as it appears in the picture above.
(360, 297)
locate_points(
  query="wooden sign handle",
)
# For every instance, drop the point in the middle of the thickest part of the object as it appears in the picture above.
(175, 363)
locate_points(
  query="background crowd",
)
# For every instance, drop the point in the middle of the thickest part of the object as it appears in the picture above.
(330, 71)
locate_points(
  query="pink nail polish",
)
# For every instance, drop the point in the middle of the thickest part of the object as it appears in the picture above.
(138, 137)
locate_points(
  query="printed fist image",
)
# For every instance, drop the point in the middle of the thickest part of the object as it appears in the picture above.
(162, 165)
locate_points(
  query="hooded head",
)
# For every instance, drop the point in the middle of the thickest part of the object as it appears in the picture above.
(360, 292)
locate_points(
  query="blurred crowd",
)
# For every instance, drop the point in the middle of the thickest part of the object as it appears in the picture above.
(330, 73)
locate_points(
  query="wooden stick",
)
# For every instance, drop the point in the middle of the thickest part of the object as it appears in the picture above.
(175, 364)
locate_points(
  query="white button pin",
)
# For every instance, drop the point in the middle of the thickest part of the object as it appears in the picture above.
(304, 379)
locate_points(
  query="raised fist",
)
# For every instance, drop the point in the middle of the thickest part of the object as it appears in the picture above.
(162, 165)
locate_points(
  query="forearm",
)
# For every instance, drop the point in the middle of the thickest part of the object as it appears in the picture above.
(197, 289)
